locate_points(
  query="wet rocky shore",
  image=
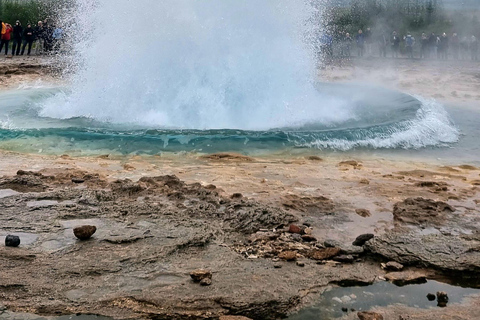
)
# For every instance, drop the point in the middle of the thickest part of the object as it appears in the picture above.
(265, 259)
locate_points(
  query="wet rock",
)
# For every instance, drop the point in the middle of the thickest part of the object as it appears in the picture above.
(277, 266)
(288, 255)
(295, 229)
(431, 297)
(314, 205)
(344, 258)
(406, 277)
(308, 238)
(330, 243)
(392, 266)
(12, 241)
(200, 274)
(447, 252)
(442, 297)
(345, 309)
(323, 254)
(363, 213)
(352, 163)
(224, 156)
(352, 250)
(84, 232)
(368, 315)
(314, 158)
(421, 211)
(362, 239)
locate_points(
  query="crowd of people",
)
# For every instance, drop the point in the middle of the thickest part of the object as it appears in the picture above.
(45, 38)
(428, 46)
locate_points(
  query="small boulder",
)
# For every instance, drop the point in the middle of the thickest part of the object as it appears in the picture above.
(442, 298)
(295, 229)
(368, 315)
(323, 254)
(206, 282)
(406, 277)
(288, 255)
(362, 239)
(392, 266)
(12, 241)
(308, 238)
(431, 297)
(200, 274)
(84, 232)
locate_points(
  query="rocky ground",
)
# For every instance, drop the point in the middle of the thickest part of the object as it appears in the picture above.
(273, 240)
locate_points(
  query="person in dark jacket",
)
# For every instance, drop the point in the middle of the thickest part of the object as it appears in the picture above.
(17, 38)
(455, 43)
(424, 50)
(28, 39)
(474, 48)
(443, 46)
(395, 43)
(360, 43)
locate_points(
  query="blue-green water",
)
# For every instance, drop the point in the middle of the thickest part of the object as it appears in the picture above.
(379, 119)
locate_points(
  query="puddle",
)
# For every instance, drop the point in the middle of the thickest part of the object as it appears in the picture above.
(381, 294)
(8, 193)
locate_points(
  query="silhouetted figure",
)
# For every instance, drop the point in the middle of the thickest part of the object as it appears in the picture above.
(39, 37)
(409, 43)
(347, 45)
(28, 39)
(464, 51)
(382, 41)
(395, 43)
(368, 41)
(455, 44)
(432, 43)
(443, 46)
(360, 43)
(424, 50)
(17, 38)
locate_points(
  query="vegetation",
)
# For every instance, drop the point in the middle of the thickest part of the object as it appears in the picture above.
(401, 15)
(30, 11)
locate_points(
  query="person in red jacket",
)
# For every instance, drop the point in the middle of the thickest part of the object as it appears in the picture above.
(5, 41)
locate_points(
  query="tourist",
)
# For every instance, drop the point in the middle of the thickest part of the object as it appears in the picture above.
(347, 45)
(57, 37)
(474, 48)
(39, 37)
(17, 38)
(360, 39)
(5, 39)
(432, 43)
(424, 50)
(395, 43)
(382, 41)
(368, 42)
(409, 43)
(464, 51)
(443, 46)
(29, 38)
(455, 43)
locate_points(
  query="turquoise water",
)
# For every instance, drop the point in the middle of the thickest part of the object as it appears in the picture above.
(380, 119)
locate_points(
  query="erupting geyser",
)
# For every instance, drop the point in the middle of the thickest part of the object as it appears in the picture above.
(197, 65)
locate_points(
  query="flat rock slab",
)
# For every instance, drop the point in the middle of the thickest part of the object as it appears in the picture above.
(406, 277)
(446, 252)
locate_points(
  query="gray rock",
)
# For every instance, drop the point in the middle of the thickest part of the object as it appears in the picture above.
(362, 239)
(12, 241)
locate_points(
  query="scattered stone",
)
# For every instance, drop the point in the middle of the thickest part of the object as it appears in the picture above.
(368, 315)
(295, 229)
(364, 181)
(352, 163)
(84, 232)
(78, 180)
(308, 238)
(314, 158)
(345, 309)
(297, 237)
(362, 239)
(12, 241)
(421, 211)
(344, 258)
(307, 230)
(392, 266)
(237, 196)
(288, 255)
(300, 264)
(330, 243)
(442, 296)
(363, 213)
(323, 254)
(200, 274)
(206, 282)
(406, 277)
(431, 297)
(277, 266)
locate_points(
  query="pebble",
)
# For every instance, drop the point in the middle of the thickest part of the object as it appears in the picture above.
(84, 232)
(12, 241)
(295, 229)
(206, 282)
(431, 297)
(300, 264)
(200, 274)
(277, 266)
